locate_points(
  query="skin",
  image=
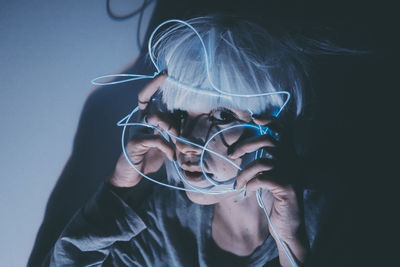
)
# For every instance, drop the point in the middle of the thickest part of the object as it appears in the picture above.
(229, 230)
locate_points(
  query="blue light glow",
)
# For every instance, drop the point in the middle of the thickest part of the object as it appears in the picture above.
(215, 187)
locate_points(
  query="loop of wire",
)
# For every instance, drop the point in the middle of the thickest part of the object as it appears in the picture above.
(215, 187)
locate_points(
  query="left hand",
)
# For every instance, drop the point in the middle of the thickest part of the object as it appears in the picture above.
(276, 175)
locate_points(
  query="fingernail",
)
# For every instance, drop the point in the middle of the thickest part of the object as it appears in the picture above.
(238, 185)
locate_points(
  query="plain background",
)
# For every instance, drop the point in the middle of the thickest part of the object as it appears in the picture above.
(49, 53)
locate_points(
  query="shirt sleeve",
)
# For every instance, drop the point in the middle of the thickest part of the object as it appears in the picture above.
(91, 233)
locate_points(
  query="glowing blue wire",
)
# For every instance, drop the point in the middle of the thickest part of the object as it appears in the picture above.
(283, 246)
(135, 77)
(204, 148)
(203, 190)
(265, 130)
(206, 190)
(207, 63)
(129, 160)
(259, 191)
(211, 180)
(195, 188)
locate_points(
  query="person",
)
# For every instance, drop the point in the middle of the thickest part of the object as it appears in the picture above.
(236, 78)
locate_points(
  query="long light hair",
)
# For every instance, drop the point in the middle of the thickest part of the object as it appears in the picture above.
(243, 58)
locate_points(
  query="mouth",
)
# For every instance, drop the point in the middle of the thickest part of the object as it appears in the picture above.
(195, 176)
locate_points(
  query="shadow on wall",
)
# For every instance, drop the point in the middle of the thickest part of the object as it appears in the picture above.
(96, 146)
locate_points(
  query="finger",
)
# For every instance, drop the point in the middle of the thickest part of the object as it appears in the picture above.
(253, 169)
(276, 126)
(161, 144)
(279, 192)
(268, 152)
(261, 182)
(273, 127)
(161, 123)
(262, 121)
(271, 122)
(252, 144)
(148, 91)
(144, 144)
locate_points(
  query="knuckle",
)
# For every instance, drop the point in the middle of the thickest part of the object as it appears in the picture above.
(254, 145)
(266, 140)
(153, 118)
(263, 163)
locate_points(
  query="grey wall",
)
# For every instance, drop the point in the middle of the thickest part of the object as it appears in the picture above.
(49, 52)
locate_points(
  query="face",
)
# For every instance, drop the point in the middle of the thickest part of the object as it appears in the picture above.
(198, 128)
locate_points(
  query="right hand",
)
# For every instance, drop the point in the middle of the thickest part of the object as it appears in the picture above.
(146, 151)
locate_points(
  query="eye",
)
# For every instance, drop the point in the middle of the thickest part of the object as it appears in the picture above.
(222, 116)
(180, 116)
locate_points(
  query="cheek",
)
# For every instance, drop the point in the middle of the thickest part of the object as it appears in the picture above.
(200, 130)
(220, 167)
(221, 142)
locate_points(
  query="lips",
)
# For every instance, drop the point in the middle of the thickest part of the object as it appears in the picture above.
(192, 171)
(195, 176)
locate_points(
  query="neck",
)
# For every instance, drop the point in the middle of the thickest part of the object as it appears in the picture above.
(242, 221)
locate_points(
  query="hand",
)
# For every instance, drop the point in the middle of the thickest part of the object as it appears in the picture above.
(146, 151)
(276, 176)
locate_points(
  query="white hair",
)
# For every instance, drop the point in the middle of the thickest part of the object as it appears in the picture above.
(243, 59)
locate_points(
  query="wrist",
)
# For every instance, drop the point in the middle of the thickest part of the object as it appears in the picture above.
(121, 183)
(298, 247)
(122, 192)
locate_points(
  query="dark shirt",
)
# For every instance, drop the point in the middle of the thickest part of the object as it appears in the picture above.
(167, 230)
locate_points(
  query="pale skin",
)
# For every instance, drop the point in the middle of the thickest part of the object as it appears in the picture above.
(229, 230)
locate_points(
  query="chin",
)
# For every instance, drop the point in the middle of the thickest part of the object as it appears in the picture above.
(203, 199)
(197, 179)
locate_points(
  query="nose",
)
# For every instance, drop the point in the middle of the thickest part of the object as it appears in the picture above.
(188, 149)
(191, 129)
